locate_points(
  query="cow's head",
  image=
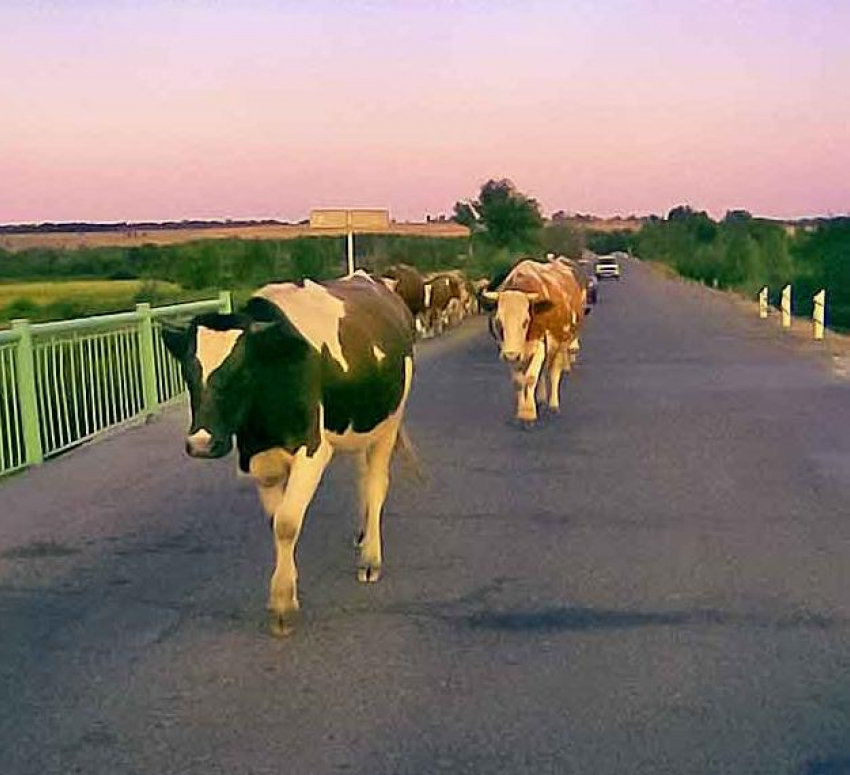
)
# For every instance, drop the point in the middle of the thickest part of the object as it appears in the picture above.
(220, 356)
(514, 311)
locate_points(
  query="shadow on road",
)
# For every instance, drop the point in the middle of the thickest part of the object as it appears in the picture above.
(582, 619)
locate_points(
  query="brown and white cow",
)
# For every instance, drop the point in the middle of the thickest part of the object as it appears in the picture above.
(537, 318)
(409, 284)
(586, 280)
(303, 371)
(442, 302)
(465, 292)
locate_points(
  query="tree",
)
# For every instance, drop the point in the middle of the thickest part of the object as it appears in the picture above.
(681, 213)
(465, 215)
(561, 238)
(737, 216)
(507, 217)
(510, 217)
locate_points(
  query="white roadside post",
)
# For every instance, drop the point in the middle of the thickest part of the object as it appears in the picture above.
(786, 307)
(819, 313)
(763, 302)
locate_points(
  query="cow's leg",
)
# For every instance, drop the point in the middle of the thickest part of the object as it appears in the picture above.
(575, 346)
(526, 405)
(269, 471)
(304, 476)
(377, 482)
(429, 324)
(556, 367)
(362, 496)
(541, 384)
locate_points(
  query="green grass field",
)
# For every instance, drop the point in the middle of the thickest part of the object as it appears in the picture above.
(115, 291)
(61, 300)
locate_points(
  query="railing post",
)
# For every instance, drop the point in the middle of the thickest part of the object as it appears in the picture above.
(225, 302)
(819, 314)
(25, 371)
(148, 363)
(763, 302)
(786, 306)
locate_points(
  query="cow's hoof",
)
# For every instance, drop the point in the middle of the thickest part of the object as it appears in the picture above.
(553, 409)
(282, 624)
(527, 425)
(369, 575)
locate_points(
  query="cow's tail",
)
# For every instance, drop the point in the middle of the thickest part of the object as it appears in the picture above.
(409, 456)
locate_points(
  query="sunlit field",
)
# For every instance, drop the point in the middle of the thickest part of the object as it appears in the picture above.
(57, 300)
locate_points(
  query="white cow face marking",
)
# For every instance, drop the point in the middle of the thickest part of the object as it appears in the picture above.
(378, 353)
(513, 315)
(213, 347)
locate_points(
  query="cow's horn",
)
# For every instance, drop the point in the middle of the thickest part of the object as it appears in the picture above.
(490, 295)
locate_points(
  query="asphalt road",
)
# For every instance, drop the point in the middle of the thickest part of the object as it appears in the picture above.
(655, 581)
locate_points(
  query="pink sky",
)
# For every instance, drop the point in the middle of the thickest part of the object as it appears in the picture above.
(264, 108)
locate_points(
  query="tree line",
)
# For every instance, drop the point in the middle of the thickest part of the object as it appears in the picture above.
(745, 253)
(739, 252)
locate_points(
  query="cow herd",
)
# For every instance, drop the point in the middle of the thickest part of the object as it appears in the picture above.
(304, 371)
(437, 301)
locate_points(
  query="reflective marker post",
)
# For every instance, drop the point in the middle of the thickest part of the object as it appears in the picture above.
(763, 302)
(819, 314)
(786, 307)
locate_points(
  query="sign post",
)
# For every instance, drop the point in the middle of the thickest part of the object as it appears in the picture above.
(349, 238)
(347, 221)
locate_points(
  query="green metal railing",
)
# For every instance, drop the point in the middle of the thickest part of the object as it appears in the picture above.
(64, 383)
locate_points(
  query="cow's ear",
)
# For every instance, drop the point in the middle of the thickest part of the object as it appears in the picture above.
(541, 305)
(177, 340)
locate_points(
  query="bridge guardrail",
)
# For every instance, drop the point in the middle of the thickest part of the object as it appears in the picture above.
(65, 382)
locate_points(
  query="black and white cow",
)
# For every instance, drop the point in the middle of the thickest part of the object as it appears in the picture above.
(301, 372)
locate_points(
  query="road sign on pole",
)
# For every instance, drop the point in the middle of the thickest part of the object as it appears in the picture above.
(349, 221)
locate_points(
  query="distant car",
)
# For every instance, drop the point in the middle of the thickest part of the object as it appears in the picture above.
(607, 266)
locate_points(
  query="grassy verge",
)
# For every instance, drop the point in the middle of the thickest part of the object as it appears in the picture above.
(61, 300)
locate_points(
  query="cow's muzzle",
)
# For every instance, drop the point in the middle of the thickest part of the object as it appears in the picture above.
(511, 356)
(203, 444)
